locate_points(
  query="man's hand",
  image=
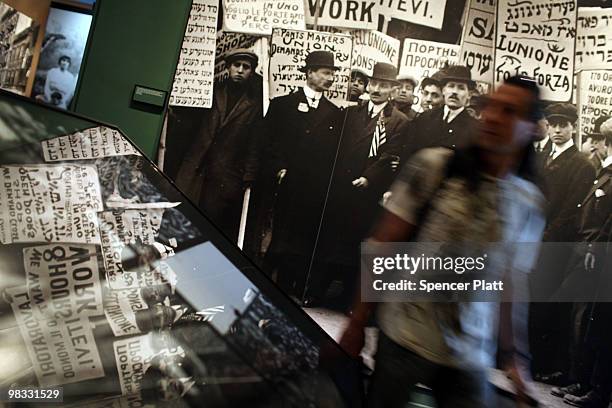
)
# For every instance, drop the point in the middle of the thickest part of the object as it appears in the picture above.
(361, 182)
(589, 261)
(353, 339)
(280, 175)
(386, 197)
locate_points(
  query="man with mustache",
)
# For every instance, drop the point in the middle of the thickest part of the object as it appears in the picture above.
(304, 129)
(368, 157)
(222, 159)
(449, 125)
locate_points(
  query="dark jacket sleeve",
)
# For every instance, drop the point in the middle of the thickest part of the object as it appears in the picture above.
(580, 181)
(272, 135)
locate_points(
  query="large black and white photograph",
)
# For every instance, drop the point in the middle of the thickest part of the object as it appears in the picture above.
(310, 158)
(61, 56)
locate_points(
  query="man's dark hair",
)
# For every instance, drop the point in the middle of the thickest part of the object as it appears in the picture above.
(535, 110)
(64, 58)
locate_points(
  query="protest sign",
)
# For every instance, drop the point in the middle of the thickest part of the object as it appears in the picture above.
(370, 47)
(594, 38)
(422, 59)
(361, 14)
(260, 16)
(62, 351)
(594, 98)
(63, 280)
(193, 80)
(537, 39)
(119, 308)
(133, 357)
(90, 143)
(49, 203)
(289, 49)
(478, 40)
(428, 13)
(120, 228)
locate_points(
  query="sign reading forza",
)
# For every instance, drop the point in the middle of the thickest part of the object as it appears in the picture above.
(537, 39)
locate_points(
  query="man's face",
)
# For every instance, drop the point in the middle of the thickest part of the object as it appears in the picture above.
(431, 97)
(405, 92)
(320, 79)
(598, 146)
(64, 64)
(380, 91)
(358, 85)
(504, 116)
(456, 94)
(240, 71)
(559, 130)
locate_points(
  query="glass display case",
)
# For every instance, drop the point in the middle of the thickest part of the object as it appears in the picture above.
(114, 287)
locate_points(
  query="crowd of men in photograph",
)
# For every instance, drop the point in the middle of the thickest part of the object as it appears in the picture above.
(317, 174)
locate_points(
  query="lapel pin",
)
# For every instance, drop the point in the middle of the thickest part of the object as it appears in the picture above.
(302, 107)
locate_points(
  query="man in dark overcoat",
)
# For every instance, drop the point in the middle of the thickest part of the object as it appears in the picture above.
(369, 154)
(567, 177)
(223, 158)
(449, 125)
(304, 129)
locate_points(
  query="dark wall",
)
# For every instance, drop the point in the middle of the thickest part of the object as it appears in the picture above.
(131, 42)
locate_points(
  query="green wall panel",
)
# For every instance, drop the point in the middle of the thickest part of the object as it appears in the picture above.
(132, 42)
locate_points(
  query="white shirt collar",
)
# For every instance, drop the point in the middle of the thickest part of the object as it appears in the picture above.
(376, 108)
(451, 114)
(541, 143)
(607, 162)
(558, 149)
(311, 93)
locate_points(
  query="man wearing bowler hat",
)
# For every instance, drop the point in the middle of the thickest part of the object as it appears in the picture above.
(304, 129)
(450, 125)
(222, 157)
(367, 160)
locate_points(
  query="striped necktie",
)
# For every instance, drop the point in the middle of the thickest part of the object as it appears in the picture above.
(379, 137)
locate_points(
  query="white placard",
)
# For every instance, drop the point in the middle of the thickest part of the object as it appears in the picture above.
(423, 58)
(370, 47)
(594, 38)
(428, 13)
(62, 351)
(260, 16)
(91, 143)
(478, 40)
(63, 280)
(362, 14)
(49, 203)
(289, 49)
(193, 81)
(595, 98)
(119, 308)
(537, 39)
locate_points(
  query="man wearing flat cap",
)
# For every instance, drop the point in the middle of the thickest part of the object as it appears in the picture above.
(222, 159)
(431, 92)
(367, 160)
(567, 176)
(449, 125)
(304, 129)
